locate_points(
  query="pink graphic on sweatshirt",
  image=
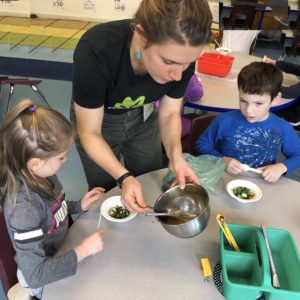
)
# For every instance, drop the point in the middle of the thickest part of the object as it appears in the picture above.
(59, 214)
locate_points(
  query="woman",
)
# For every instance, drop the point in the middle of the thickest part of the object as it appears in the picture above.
(120, 69)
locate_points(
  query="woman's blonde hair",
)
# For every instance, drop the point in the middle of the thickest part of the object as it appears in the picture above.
(30, 132)
(183, 21)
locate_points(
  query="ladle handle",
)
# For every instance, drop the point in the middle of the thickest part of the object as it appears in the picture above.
(156, 214)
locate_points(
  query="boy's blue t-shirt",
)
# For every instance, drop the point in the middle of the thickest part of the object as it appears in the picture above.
(255, 144)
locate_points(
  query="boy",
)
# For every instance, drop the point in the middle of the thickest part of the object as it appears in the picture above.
(253, 135)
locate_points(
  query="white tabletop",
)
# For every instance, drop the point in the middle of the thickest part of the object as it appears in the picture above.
(221, 93)
(142, 261)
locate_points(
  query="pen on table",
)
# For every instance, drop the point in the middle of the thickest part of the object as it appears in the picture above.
(275, 281)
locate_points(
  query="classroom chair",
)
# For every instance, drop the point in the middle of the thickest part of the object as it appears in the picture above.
(241, 16)
(22, 81)
(199, 125)
(8, 267)
(194, 91)
(295, 25)
(294, 49)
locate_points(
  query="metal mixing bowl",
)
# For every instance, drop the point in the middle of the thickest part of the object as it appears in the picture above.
(193, 199)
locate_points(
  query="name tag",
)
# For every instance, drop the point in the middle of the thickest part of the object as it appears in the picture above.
(147, 110)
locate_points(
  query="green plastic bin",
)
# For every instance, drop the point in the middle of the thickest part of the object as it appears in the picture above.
(247, 274)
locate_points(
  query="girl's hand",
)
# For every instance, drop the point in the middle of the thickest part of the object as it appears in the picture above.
(233, 166)
(272, 173)
(90, 197)
(90, 245)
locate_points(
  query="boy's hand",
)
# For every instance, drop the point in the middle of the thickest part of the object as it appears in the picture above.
(268, 60)
(90, 197)
(233, 166)
(272, 173)
(90, 245)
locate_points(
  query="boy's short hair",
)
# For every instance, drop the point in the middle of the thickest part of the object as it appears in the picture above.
(260, 78)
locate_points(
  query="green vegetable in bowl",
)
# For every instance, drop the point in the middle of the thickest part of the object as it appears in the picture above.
(119, 212)
(243, 193)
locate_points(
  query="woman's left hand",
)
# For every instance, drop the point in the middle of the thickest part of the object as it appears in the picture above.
(90, 197)
(183, 173)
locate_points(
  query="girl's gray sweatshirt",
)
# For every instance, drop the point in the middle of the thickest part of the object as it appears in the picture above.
(37, 230)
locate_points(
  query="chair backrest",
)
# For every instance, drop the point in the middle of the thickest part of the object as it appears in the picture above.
(295, 24)
(241, 16)
(294, 49)
(199, 125)
(8, 267)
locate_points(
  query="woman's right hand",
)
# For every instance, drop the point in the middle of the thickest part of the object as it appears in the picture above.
(132, 196)
(90, 245)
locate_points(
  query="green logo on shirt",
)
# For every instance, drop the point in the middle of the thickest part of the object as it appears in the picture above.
(129, 103)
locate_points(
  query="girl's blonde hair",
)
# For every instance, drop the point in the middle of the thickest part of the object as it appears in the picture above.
(30, 132)
(182, 21)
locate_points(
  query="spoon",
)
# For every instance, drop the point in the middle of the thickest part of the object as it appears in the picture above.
(182, 216)
(173, 213)
(247, 168)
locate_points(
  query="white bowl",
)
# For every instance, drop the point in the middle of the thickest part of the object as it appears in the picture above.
(224, 50)
(244, 183)
(110, 203)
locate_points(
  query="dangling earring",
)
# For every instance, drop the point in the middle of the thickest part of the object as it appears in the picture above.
(138, 54)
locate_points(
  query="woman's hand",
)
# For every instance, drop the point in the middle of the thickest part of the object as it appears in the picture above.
(90, 197)
(183, 173)
(132, 196)
(272, 173)
(233, 166)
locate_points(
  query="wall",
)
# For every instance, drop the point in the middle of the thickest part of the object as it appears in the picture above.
(19, 8)
(86, 10)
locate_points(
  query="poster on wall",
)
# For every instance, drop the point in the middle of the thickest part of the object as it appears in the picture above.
(20, 8)
(120, 5)
(58, 4)
(84, 10)
(89, 5)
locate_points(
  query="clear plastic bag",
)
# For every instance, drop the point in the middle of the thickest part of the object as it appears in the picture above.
(208, 168)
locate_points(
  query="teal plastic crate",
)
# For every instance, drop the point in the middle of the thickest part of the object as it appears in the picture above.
(247, 274)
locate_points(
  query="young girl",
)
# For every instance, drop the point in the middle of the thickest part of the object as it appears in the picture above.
(34, 142)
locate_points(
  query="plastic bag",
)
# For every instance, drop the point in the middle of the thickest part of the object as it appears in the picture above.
(208, 168)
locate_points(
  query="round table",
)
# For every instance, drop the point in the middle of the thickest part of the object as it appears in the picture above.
(221, 93)
(142, 261)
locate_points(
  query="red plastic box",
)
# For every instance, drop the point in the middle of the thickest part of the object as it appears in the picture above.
(214, 64)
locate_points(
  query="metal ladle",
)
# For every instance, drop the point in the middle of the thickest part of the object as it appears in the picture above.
(172, 213)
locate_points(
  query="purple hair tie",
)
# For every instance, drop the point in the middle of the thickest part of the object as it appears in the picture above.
(33, 108)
